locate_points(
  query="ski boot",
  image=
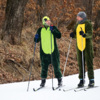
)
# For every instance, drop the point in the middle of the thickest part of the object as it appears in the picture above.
(81, 83)
(59, 81)
(91, 83)
(43, 82)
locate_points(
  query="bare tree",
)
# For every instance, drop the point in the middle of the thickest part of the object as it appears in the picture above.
(97, 20)
(14, 17)
(41, 9)
(88, 4)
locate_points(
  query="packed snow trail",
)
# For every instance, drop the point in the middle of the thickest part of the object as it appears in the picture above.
(18, 91)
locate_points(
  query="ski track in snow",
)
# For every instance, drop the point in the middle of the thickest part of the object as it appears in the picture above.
(18, 90)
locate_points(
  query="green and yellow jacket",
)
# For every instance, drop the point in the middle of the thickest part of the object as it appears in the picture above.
(45, 42)
(87, 40)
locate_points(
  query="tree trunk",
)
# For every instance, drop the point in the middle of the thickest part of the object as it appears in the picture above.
(88, 6)
(97, 20)
(41, 9)
(14, 17)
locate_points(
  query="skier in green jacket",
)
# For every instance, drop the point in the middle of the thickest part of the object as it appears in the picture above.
(49, 53)
(83, 33)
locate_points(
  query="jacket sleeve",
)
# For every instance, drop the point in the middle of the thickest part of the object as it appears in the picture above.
(74, 31)
(89, 30)
(56, 32)
(38, 32)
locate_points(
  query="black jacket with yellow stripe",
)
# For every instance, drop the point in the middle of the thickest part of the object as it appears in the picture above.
(89, 35)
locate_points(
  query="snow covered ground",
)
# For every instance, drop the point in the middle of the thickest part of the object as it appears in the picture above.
(18, 91)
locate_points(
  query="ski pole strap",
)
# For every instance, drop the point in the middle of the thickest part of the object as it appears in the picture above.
(34, 49)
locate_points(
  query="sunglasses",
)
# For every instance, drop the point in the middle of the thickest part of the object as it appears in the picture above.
(45, 19)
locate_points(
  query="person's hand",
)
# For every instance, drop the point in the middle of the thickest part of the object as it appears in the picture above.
(36, 36)
(82, 33)
(72, 34)
(51, 28)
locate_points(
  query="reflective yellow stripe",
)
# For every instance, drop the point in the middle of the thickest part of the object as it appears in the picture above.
(80, 38)
(46, 40)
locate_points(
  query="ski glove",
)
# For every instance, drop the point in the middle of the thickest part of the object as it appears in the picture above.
(82, 33)
(72, 34)
(36, 36)
(51, 29)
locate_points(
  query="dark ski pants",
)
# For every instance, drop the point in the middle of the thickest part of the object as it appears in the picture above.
(45, 61)
(88, 58)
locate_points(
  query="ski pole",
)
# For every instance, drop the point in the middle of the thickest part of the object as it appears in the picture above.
(67, 56)
(31, 67)
(82, 56)
(52, 62)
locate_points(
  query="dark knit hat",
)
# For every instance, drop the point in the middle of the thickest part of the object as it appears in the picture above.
(82, 14)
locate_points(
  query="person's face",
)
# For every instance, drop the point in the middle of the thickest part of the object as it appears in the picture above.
(48, 22)
(79, 18)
